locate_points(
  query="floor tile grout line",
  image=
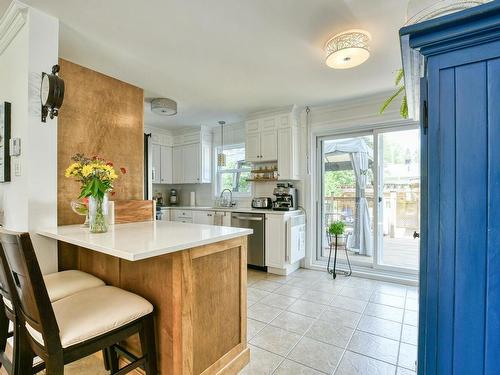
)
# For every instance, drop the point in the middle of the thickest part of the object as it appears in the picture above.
(317, 318)
(350, 339)
(401, 335)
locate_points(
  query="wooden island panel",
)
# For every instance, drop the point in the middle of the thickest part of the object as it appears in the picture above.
(200, 302)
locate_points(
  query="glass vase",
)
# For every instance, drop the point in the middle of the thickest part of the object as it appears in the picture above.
(98, 214)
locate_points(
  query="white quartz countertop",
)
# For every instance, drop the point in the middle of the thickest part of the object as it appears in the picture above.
(136, 241)
(232, 209)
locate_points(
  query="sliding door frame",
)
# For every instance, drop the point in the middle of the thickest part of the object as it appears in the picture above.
(376, 264)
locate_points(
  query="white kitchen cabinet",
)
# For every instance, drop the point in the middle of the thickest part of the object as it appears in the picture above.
(161, 164)
(183, 216)
(222, 218)
(288, 153)
(178, 165)
(203, 217)
(269, 145)
(166, 165)
(252, 147)
(182, 158)
(261, 142)
(275, 241)
(285, 242)
(156, 163)
(191, 163)
(206, 162)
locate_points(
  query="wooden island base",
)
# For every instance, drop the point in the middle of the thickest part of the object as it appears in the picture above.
(200, 301)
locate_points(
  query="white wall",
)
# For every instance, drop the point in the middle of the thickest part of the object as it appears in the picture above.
(30, 200)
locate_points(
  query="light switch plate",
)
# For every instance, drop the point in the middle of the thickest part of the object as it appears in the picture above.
(15, 146)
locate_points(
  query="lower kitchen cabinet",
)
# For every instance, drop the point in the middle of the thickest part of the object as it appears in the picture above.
(203, 217)
(285, 242)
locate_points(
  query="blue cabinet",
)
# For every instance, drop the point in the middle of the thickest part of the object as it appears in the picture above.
(459, 331)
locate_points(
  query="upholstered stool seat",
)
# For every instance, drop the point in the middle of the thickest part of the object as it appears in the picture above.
(65, 283)
(94, 312)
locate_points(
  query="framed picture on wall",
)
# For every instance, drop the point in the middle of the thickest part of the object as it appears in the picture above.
(4, 142)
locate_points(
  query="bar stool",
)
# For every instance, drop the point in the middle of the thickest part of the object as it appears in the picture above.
(59, 285)
(75, 326)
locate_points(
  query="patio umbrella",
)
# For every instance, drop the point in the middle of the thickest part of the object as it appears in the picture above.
(360, 154)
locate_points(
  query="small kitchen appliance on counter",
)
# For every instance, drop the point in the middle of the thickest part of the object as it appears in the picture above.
(262, 202)
(174, 199)
(286, 197)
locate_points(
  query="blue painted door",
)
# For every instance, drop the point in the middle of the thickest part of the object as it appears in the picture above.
(460, 257)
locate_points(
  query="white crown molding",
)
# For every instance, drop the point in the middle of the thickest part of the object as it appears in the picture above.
(11, 23)
(270, 112)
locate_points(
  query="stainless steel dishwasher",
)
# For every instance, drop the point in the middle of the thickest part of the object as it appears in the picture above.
(256, 241)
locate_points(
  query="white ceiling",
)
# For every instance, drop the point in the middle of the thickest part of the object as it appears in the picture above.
(223, 59)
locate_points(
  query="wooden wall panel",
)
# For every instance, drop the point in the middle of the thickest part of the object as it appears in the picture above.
(100, 116)
(131, 211)
(216, 294)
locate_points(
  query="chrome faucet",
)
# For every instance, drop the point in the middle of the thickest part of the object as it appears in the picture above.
(224, 202)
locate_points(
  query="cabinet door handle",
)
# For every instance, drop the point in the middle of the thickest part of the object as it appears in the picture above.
(153, 174)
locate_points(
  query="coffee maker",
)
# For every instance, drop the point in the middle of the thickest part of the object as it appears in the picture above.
(173, 197)
(286, 197)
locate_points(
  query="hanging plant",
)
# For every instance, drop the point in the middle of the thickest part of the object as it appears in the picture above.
(400, 90)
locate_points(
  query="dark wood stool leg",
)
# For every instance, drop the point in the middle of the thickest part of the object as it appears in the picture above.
(24, 360)
(113, 362)
(148, 345)
(4, 334)
(105, 358)
(55, 365)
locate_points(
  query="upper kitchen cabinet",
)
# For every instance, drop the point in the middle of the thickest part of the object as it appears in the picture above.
(192, 158)
(261, 140)
(288, 149)
(181, 159)
(156, 163)
(161, 163)
(165, 164)
(275, 138)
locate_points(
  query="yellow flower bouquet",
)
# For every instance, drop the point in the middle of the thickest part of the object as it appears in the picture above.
(96, 176)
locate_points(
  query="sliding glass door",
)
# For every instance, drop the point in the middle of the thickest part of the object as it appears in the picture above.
(346, 194)
(371, 183)
(399, 198)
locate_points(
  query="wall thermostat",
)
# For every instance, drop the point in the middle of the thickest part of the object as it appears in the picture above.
(15, 146)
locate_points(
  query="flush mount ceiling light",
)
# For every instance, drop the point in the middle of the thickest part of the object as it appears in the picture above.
(348, 49)
(164, 106)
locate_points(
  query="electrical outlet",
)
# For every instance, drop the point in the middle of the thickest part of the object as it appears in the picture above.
(17, 167)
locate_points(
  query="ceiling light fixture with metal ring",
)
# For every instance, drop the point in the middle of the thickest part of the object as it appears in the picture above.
(348, 49)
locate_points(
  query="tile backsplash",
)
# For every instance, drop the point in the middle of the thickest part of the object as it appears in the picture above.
(204, 193)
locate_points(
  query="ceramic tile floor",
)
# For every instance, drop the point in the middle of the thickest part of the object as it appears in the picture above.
(309, 324)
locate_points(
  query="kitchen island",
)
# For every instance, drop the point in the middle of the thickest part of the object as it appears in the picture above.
(194, 275)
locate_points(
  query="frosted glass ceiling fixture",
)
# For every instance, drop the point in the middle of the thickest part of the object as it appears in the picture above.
(348, 49)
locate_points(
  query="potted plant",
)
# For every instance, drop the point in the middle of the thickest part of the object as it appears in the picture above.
(337, 230)
(96, 177)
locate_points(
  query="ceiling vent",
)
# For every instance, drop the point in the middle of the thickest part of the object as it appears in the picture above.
(164, 106)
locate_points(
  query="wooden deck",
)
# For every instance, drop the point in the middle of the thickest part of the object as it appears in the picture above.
(398, 252)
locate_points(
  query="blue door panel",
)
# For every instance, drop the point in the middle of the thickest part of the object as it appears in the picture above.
(492, 355)
(471, 217)
(447, 202)
(430, 315)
